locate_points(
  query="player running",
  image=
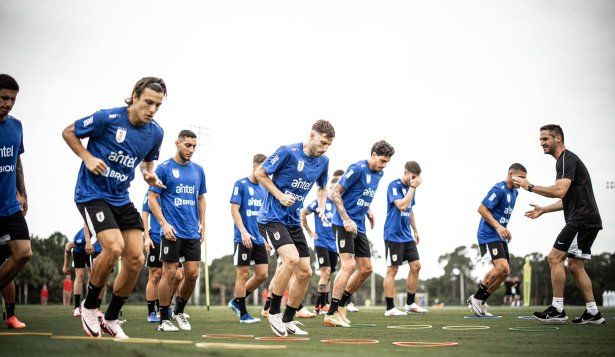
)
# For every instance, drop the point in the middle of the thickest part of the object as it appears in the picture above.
(8, 293)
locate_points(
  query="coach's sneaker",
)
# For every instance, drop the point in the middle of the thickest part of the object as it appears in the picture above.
(352, 308)
(113, 328)
(335, 320)
(277, 326)
(415, 308)
(13, 322)
(153, 318)
(77, 312)
(167, 326)
(588, 318)
(395, 312)
(304, 313)
(476, 306)
(248, 319)
(182, 322)
(551, 315)
(89, 322)
(343, 314)
(233, 306)
(293, 329)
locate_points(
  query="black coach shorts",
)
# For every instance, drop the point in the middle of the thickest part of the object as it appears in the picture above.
(576, 241)
(398, 253)
(348, 242)
(189, 249)
(100, 216)
(153, 258)
(15, 227)
(494, 250)
(279, 235)
(326, 258)
(246, 257)
(81, 260)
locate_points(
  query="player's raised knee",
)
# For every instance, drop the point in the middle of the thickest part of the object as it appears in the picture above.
(415, 266)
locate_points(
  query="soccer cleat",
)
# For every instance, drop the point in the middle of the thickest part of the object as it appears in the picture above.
(395, 312)
(304, 313)
(352, 308)
(233, 306)
(317, 309)
(414, 307)
(265, 313)
(248, 319)
(77, 312)
(13, 322)
(182, 322)
(89, 322)
(167, 326)
(113, 328)
(335, 320)
(343, 314)
(551, 315)
(476, 306)
(153, 317)
(324, 309)
(277, 326)
(588, 318)
(99, 314)
(186, 315)
(293, 329)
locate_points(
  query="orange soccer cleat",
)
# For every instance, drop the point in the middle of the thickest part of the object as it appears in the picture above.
(13, 322)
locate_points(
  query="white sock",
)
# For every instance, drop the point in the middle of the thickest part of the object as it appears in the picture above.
(558, 303)
(592, 308)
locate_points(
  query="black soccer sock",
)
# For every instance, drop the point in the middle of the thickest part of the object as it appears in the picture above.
(180, 305)
(158, 304)
(115, 305)
(320, 301)
(390, 303)
(482, 293)
(326, 298)
(248, 293)
(345, 298)
(98, 303)
(300, 307)
(164, 313)
(267, 303)
(276, 301)
(77, 298)
(333, 308)
(10, 310)
(241, 301)
(410, 298)
(151, 307)
(92, 296)
(289, 313)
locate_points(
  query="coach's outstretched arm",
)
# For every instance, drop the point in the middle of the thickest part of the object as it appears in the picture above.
(538, 210)
(555, 191)
(264, 179)
(95, 165)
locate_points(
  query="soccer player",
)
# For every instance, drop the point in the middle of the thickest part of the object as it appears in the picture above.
(399, 241)
(573, 187)
(119, 140)
(246, 201)
(8, 293)
(181, 213)
(294, 169)
(352, 197)
(493, 236)
(324, 243)
(13, 197)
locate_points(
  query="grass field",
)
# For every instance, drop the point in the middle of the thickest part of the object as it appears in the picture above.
(568, 340)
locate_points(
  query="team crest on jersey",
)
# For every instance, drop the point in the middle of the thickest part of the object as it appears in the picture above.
(494, 251)
(342, 243)
(368, 178)
(166, 250)
(120, 135)
(100, 216)
(244, 256)
(300, 165)
(328, 206)
(175, 173)
(251, 190)
(321, 260)
(394, 257)
(276, 235)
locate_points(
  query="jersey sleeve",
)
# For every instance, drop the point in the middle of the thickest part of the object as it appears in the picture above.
(237, 195)
(567, 167)
(91, 126)
(162, 175)
(145, 207)
(394, 193)
(322, 179)
(313, 206)
(21, 148)
(155, 151)
(492, 198)
(203, 185)
(276, 160)
(350, 177)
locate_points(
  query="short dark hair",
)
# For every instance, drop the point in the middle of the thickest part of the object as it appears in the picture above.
(382, 148)
(334, 180)
(186, 134)
(338, 173)
(8, 82)
(554, 130)
(518, 167)
(153, 83)
(413, 167)
(259, 159)
(324, 127)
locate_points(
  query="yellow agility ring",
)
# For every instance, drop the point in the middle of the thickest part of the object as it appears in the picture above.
(409, 327)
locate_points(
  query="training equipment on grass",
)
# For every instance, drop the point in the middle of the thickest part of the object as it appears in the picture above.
(281, 338)
(534, 329)
(153, 340)
(362, 325)
(482, 317)
(526, 317)
(409, 327)
(424, 344)
(350, 341)
(238, 346)
(227, 335)
(25, 334)
(465, 328)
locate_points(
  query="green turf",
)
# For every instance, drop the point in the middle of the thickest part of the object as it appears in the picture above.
(568, 340)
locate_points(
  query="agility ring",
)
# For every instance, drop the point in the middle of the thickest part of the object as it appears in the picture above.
(526, 317)
(227, 335)
(419, 344)
(362, 325)
(534, 329)
(465, 328)
(482, 317)
(281, 338)
(409, 327)
(350, 341)
(238, 346)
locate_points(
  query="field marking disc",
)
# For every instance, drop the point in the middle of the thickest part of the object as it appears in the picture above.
(280, 338)
(350, 341)
(526, 318)
(420, 344)
(465, 328)
(238, 346)
(482, 317)
(153, 341)
(26, 334)
(85, 338)
(409, 327)
(227, 335)
(534, 329)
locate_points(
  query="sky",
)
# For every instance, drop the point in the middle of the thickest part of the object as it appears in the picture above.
(460, 87)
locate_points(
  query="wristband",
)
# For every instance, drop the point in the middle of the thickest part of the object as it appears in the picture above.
(414, 187)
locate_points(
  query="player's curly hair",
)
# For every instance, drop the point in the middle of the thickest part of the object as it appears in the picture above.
(382, 148)
(153, 83)
(325, 128)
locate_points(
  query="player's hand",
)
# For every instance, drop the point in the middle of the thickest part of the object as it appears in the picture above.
(535, 213)
(416, 181)
(153, 180)
(417, 239)
(95, 165)
(267, 248)
(202, 231)
(323, 217)
(350, 225)
(88, 247)
(287, 200)
(65, 270)
(168, 232)
(503, 232)
(246, 239)
(23, 203)
(148, 244)
(371, 218)
(520, 182)
(313, 236)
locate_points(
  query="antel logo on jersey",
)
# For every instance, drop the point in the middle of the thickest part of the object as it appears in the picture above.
(300, 183)
(120, 135)
(255, 202)
(122, 159)
(181, 188)
(369, 192)
(6, 151)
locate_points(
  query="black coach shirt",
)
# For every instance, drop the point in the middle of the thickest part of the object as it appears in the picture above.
(580, 208)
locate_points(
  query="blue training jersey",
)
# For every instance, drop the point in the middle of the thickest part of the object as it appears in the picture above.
(122, 146)
(397, 226)
(11, 146)
(249, 196)
(293, 172)
(360, 184)
(79, 241)
(154, 229)
(180, 200)
(500, 201)
(325, 238)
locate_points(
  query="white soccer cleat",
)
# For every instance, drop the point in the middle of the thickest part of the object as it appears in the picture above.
(182, 322)
(277, 326)
(167, 326)
(415, 308)
(352, 308)
(77, 312)
(335, 320)
(99, 314)
(395, 312)
(89, 322)
(476, 306)
(293, 329)
(343, 314)
(304, 313)
(113, 328)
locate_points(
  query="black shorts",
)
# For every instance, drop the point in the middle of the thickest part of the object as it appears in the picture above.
(189, 249)
(81, 260)
(398, 253)
(153, 258)
(14, 226)
(576, 241)
(5, 252)
(496, 250)
(100, 216)
(246, 257)
(326, 258)
(279, 235)
(348, 242)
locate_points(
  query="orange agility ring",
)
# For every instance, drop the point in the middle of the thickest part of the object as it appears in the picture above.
(281, 338)
(350, 341)
(425, 344)
(227, 335)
